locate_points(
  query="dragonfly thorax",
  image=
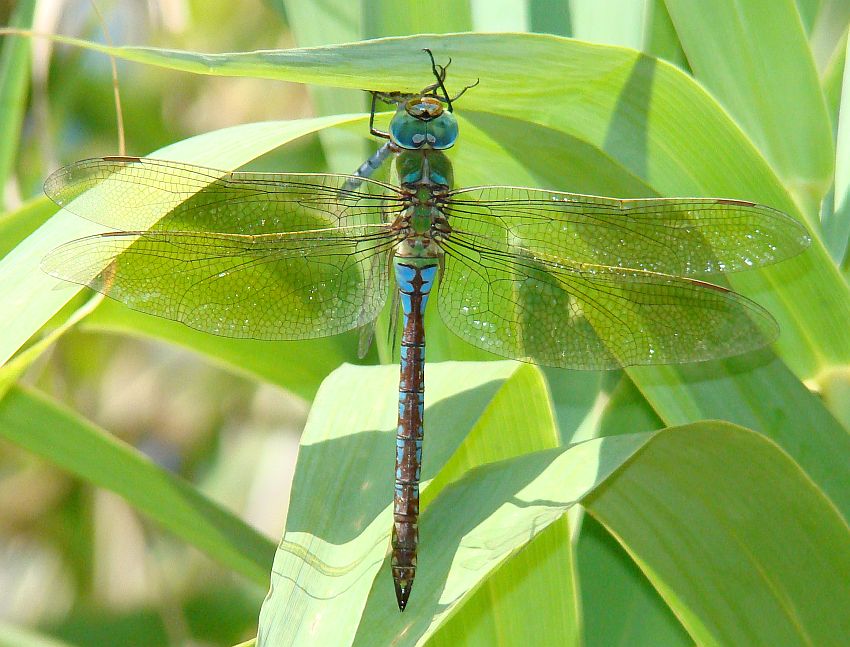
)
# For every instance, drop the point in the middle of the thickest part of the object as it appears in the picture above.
(425, 177)
(429, 168)
(421, 226)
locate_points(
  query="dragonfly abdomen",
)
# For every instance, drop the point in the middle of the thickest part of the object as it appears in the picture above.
(414, 277)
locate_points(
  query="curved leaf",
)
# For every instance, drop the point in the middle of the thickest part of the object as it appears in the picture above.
(331, 555)
(713, 490)
(647, 116)
(787, 121)
(738, 541)
(29, 297)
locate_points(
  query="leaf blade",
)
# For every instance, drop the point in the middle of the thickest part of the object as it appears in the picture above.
(43, 427)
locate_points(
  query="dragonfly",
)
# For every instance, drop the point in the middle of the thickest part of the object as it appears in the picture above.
(558, 279)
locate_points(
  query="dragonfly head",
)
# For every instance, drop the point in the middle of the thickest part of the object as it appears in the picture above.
(423, 122)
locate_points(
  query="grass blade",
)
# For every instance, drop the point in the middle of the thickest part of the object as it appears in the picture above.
(787, 121)
(62, 437)
(14, 82)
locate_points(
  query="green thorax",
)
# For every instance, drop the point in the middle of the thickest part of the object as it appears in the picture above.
(425, 176)
(424, 168)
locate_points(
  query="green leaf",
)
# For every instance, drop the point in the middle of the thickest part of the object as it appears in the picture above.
(619, 605)
(383, 18)
(837, 225)
(762, 395)
(498, 16)
(738, 541)
(62, 437)
(331, 554)
(12, 636)
(17, 225)
(710, 489)
(14, 83)
(829, 21)
(495, 611)
(787, 121)
(808, 10)
(831, 81)
(14, 369)
(29, 297)
(596, 22)
(662, 40)
(645, 115)
(550, 17)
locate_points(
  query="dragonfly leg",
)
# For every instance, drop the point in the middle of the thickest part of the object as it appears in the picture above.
(463, 91)
(439, 72)
(374, 131)
(368, 168)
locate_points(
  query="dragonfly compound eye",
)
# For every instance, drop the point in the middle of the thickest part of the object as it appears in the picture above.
(422, 123)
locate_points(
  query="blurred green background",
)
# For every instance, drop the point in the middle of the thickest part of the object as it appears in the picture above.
(76, 561)
(79, 564)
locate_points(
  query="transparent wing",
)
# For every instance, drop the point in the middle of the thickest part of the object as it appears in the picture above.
(590, 316)
(682, 236)
(134, 194)
(275, 286)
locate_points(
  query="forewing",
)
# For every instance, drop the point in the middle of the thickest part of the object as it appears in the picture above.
(134, 194)
(682, 236)
(277, 286)
(592, 316)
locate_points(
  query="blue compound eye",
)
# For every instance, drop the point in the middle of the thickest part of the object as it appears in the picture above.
(422, 122)
(442, 132)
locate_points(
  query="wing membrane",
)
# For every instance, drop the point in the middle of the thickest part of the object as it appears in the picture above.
(591, 316)
(277, 286)
(134, 194)
(682, 236)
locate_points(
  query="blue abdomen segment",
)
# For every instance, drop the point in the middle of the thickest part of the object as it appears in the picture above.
(415, 277)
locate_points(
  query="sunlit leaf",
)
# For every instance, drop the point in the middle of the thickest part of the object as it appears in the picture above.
(644, 114)
(732, 534)
(330, 557)
(787, 121)
(14, 82)
(710, 489)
